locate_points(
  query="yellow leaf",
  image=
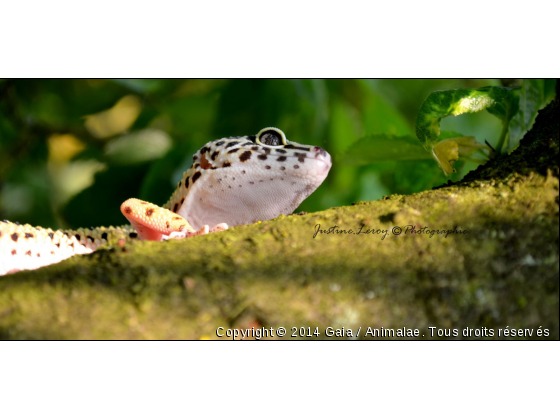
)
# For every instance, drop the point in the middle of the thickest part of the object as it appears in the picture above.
(446, 153)
(115, 120)
(468, 145)
(63, 147)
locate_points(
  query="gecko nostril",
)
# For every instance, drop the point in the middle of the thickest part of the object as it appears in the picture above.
(320, 152)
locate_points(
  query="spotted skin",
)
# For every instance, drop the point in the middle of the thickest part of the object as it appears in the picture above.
(27, 247)
(246, 181)
(233, 181)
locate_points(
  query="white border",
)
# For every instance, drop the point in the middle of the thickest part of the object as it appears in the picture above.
(353, 39)
(168, 380)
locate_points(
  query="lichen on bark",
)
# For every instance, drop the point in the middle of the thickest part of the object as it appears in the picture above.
(503, 271)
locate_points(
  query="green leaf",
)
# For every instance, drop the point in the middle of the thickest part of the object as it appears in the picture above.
(387, 148)
(381, 148)
(534, 95)
(138, 147)
(499, 101)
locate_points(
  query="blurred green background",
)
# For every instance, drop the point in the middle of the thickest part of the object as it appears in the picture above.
(71, 151)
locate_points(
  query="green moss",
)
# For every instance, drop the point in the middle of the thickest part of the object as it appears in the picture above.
(502, 272)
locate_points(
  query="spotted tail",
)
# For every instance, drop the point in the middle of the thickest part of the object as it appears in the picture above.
(24, 247)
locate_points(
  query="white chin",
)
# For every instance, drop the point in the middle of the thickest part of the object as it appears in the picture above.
(318, 170)
(322, 167)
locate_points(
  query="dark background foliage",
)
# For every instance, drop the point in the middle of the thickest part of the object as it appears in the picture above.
(72, 150)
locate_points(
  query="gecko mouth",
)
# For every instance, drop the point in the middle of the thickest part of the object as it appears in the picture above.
(322, 161)
(320, 166)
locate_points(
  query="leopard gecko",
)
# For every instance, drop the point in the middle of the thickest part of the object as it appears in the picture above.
(232, 181)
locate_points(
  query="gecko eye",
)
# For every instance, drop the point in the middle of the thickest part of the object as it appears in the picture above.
(271, 136)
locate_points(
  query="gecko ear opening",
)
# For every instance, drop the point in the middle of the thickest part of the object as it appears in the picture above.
(271, 136)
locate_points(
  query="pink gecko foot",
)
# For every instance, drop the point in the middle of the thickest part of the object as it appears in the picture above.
(220, 227)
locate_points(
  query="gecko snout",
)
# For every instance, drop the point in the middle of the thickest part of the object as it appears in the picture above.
(322, 159)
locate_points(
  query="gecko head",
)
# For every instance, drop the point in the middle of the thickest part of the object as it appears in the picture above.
(310, 162)
(241, 180)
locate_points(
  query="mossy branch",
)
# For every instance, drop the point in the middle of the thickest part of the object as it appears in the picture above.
(502, 272)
